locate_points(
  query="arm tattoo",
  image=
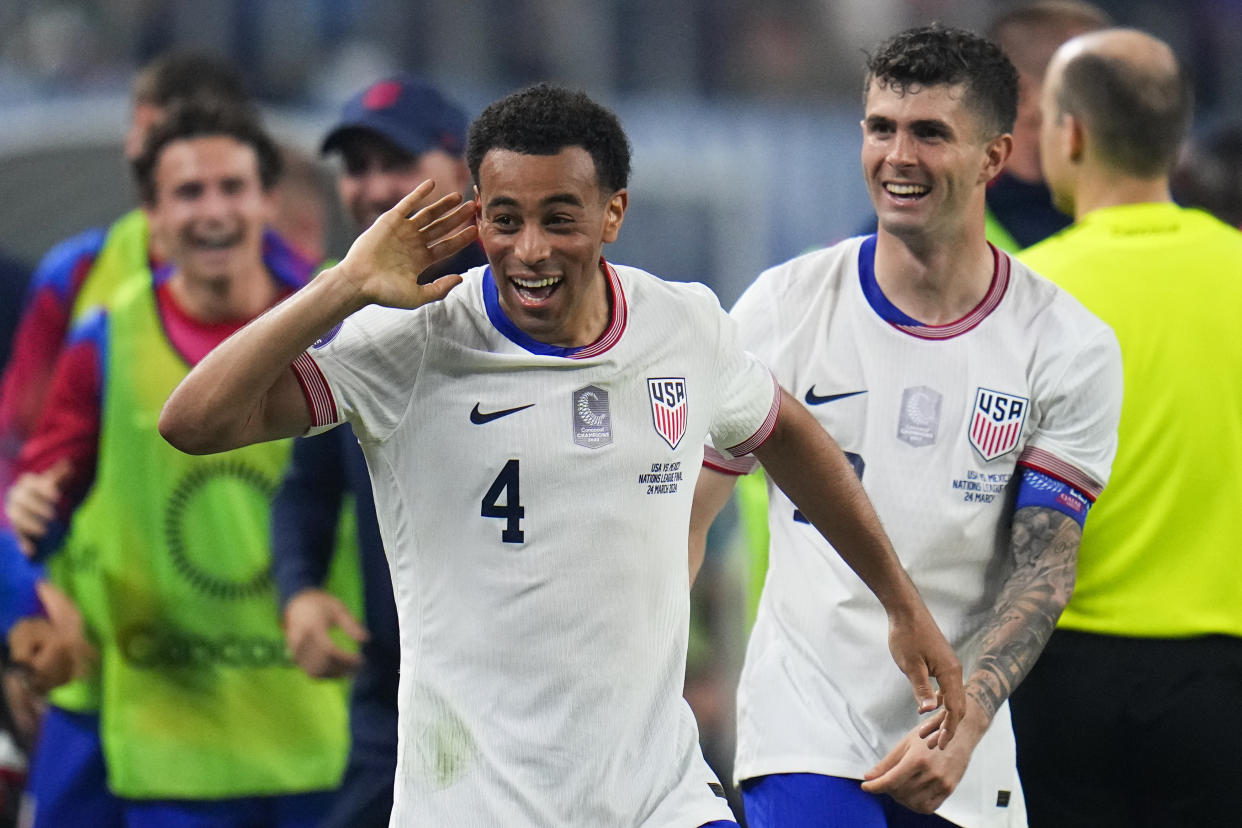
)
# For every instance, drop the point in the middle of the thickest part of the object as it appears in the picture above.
(1044, 544)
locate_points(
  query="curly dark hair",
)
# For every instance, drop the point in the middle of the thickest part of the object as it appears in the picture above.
(545, 119)
(937, 55)
(202, 120)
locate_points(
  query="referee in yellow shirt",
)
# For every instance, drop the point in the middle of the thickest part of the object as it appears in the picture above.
(1133, 715)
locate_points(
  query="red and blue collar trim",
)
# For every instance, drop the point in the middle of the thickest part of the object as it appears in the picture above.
(894, 316)
(610, 336)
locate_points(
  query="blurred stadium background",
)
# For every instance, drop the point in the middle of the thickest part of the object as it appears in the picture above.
(743, 115)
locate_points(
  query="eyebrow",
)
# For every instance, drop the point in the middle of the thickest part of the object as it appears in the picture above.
(558, 198)
(873, 121)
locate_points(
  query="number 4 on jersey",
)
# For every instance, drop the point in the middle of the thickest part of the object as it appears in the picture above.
(512, 511)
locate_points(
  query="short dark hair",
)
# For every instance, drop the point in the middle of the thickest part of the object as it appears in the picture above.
(1136, 115)
(199, 120)
(185, 76)
(937, 55)
(545, 119)
(1031, 31)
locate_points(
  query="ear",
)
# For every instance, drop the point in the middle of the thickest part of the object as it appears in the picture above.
(614, 214)
(1075, 137)
(996, 154)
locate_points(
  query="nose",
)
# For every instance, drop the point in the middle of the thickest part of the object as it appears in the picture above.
(901, 150)
(531, 245)
(215, 203)
(377, 188)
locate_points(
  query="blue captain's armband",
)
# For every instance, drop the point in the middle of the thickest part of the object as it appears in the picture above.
(1038, 489)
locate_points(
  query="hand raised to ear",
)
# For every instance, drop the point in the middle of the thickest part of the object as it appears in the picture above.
(384, 263)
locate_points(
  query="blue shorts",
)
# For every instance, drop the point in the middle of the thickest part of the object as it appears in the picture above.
(68, 786)
(284, 811)
(812, 800)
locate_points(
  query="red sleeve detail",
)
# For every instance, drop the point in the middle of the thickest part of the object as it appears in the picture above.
(315, 387)
(1056, 468)
(737, 466)
(68, 427)
(764, 431)
(36, 343)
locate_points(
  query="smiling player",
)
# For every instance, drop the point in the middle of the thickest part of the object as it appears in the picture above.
(200, 711)
(978, 404)
(533, 438)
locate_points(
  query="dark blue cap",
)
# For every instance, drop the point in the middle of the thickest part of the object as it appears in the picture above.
(407, 111)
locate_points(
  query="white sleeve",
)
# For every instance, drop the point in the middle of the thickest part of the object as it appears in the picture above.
(757, 314)
(1076, 437)
(365, 371)
(755, 324)
(747, 395)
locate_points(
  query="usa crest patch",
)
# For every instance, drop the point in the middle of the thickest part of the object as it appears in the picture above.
(668, 407)
(996, 422)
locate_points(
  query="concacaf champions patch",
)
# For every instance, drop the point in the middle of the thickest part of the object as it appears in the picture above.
(592, 419)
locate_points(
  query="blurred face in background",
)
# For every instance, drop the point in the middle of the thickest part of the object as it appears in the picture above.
(376, 174)
(209, 207)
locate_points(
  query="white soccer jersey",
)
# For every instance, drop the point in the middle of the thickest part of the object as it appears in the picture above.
(935, 420)
(535, 510)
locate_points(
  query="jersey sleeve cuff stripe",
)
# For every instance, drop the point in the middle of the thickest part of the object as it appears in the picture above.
(765, 430)
(1055, 467)
(315, 387)
(728, 465)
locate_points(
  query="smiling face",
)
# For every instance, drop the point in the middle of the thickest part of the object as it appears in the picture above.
(927, 161)
(209, 207)
(543, 222)
(376, 174)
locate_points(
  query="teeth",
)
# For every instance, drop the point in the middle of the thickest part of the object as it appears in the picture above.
(906, 189)
(533, 284)
(217, 244)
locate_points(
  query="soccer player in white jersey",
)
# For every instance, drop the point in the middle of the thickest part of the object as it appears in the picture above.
(533, 438)
(978, 403)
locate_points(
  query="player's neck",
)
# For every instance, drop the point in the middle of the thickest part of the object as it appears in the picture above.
(224, 298)
(935, 283)
(1100, 190)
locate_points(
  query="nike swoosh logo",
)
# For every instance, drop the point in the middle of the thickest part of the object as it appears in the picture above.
(479, 418)
(814, 399)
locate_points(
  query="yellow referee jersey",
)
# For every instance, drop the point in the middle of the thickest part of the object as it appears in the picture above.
(1160, 552)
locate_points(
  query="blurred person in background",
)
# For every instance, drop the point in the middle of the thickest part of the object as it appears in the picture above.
(84, 270)
(201, 718)
(1132, 715)
(981, 468)
(391, 136)
(1020, 209)
(73, 277)
(1208, 174)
